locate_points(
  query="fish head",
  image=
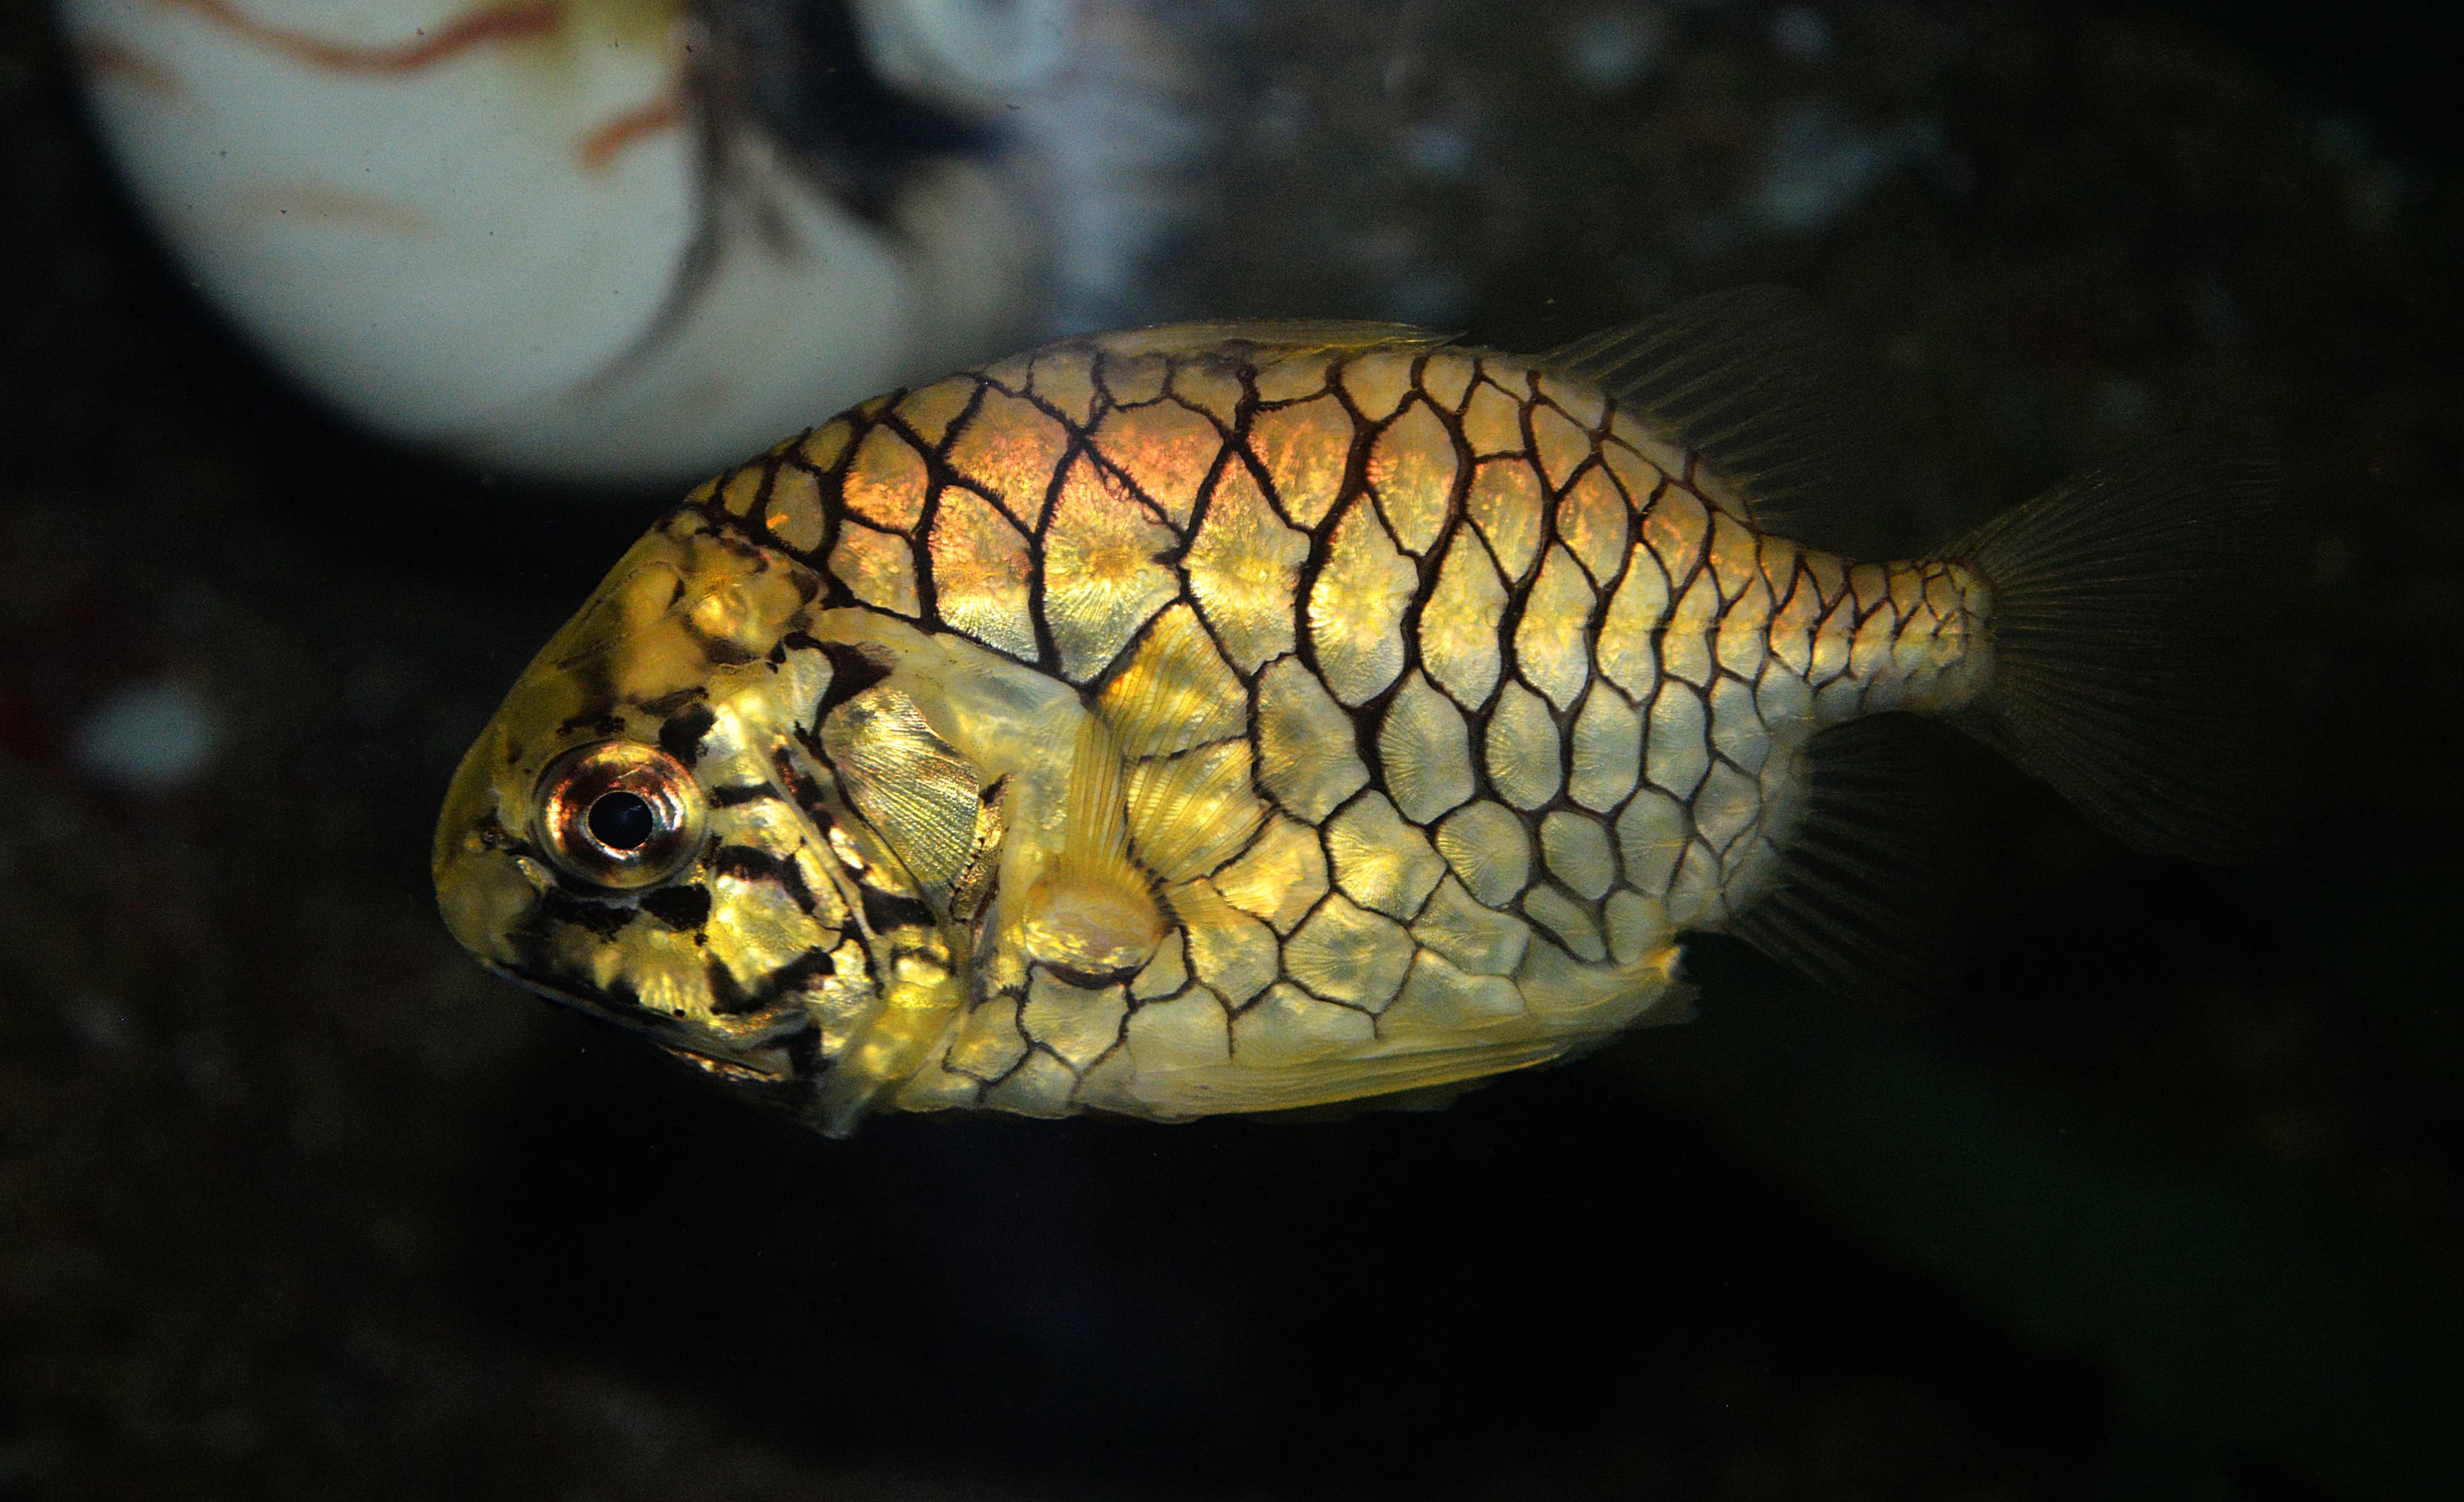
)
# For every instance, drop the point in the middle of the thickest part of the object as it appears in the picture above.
(652, 829)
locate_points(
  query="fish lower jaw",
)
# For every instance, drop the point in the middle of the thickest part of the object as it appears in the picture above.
(768, 1061)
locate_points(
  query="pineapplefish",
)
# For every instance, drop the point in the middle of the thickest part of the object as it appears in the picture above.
(1242, 716)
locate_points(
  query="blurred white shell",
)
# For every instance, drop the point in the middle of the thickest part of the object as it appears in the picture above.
(970, 54)
(535, 233)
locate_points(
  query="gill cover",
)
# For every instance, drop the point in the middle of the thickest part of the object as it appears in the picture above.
(646, 831)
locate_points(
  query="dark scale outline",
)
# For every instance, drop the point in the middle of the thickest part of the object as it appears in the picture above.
(1587, 630)
(919, 571)
(1757, 640)
(1120, 1039)
(1317, 904)
(1258, 758)
(864, 424)
(1246, 846)
(1480, 377)
(1800, 577)
(1412, 396)
(1427, 565)
(1455, 536)
(1347, 491)
(1102, 464)
(1589, 911)
(1605, 588)
(1674, 591)
(1477, 719)
(949, 430)
(1077, 1077)
(1831, 604)
(924, 544)
(1577, 811)
(1711, 721)
(1107, 359)
(1420, 382)
(1370, 717)
(1755, 830)
(849, 528)
(1288, 979)
(1334, 884)
(1035, 1047)
(1201, 507)
(1510, 622)
(1157, 512)
(936, 476)
(1602, 683)
(1233, 448)
(985, 1083)
(969, 482)
(1048, 653)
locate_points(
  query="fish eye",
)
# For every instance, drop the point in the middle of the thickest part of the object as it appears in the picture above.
(619, 813)
(621, 820)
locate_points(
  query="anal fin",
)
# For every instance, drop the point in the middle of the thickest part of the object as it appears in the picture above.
(1874, 896)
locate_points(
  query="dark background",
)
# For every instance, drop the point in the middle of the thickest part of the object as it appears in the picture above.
(2168, 1202)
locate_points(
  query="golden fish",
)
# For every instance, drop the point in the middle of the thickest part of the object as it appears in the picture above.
(1244, 716)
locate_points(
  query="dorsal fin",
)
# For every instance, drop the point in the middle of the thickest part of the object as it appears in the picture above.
(1874, 897)
(1288, 335)
(1767, 389)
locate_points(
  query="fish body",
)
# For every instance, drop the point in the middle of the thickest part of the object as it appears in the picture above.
(1216, 717)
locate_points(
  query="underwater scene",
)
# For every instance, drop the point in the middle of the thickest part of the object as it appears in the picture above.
(1117, 749)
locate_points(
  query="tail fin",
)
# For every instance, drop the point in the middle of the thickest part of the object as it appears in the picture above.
(2123, 673)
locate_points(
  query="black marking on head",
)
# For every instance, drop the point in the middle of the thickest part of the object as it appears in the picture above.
(603, 918)
(807, 794)
(739, 793)
(595, 716)
(728, 998)
(804, 1049)
(799, 974)
(744, 862)
(851, 672)
(683, 909)
(681, 735)
(781, 989)
(884, 911)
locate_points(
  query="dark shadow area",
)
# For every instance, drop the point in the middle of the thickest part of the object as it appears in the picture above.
(1379, 1305)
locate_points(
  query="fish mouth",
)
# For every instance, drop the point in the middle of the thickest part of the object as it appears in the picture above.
(776, 1055)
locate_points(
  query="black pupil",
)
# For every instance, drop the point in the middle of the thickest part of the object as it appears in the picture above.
(622, 820)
